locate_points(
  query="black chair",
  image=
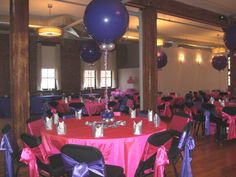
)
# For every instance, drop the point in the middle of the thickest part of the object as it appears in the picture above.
(157, 140)
(175, 152)
(16, 152)
(214, 118)
(55, 167)
(87, 154)
(79, 106)
(171, 142)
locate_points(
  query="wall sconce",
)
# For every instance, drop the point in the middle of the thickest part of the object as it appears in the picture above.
(181, 58)
(160, 42)
(198, 59)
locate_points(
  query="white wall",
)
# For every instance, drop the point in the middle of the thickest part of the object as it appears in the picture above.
(190, 75)
(182, 78)
(124, 74)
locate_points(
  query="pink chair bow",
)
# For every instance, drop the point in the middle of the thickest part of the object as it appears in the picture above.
(161, 161)
(161, 158)
(231, 122)
(167, 111)
(28, 157)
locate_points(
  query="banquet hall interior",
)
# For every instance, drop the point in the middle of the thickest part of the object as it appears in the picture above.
(170, 74)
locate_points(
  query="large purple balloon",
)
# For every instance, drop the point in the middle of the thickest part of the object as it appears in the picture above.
(106, 20)
(90, 52)
(230, 38)
(219, 62)
(161, 59)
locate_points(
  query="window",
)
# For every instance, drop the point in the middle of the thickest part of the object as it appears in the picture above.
(106, 76)
(89, 78)
(48, 79)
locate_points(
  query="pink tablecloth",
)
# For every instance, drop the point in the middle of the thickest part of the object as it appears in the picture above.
(119, 146)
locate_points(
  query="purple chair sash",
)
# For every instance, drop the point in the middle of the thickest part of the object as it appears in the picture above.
(6, 147)
(207, 122)
(186, 170)
(82, 169)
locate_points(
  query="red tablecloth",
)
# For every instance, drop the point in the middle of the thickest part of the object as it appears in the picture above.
(119, 146)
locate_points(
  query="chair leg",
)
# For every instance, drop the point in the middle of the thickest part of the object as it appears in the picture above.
(175, 170)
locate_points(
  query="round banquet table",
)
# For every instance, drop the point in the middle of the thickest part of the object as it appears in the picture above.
(119, 145)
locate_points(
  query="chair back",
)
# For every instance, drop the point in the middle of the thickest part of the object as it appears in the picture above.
(35, 144)
(146, 164)
(178, 122)
(81, 153)
(229, 110)
(77, 106)
(34, 126)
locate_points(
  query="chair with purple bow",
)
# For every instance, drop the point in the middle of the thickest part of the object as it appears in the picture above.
(76, 106)
(11, 152)
(161, 149)
(38, 161)
(81, 161)
(181, 148)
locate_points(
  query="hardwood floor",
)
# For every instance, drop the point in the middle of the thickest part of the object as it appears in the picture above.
(211, 159)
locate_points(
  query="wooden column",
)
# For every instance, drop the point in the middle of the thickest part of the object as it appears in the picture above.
(232, 87)
(149, 17)
(19, 64)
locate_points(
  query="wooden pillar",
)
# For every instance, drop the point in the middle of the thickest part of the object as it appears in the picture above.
(19, 64)
(232, 87)
(149, 17)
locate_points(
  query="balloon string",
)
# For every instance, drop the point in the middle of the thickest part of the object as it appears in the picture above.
(105, 68)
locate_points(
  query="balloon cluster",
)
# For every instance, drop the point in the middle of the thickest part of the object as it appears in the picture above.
(219, 62)
(106, 20)
(161, 59)
(90, 52)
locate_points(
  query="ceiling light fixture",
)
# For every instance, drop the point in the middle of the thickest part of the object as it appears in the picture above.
(50, 31)
(218, 50)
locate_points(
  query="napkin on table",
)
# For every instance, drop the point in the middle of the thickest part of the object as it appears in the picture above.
(48, 123)
(61, 127)
(156, 120)
(78, 114)
(132, 113)
(150, 115)
(56, 118)
(137, 127)
(97, 130)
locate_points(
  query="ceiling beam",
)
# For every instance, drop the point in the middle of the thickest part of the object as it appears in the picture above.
(182, 10)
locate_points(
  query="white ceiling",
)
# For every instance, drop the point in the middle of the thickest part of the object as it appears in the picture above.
(169, 27)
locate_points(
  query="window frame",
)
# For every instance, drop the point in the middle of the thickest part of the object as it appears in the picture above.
(84, 79)
(101, 78)
(48, 78)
